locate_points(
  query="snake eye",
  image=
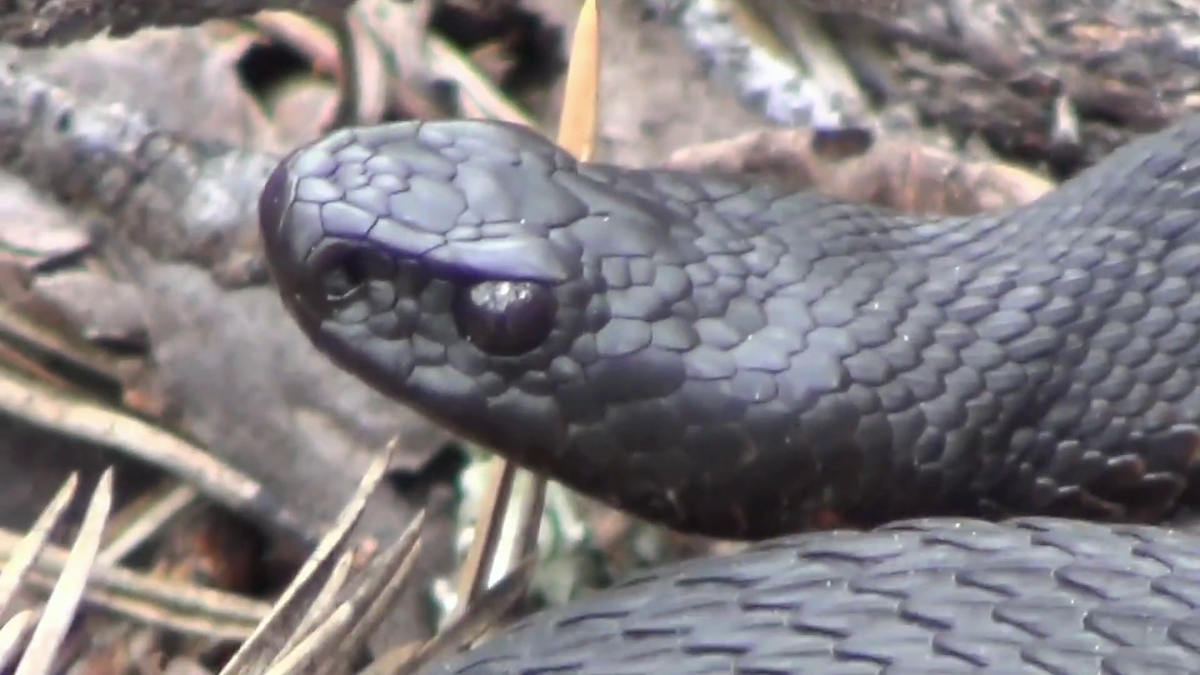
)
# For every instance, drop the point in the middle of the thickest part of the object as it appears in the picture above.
(344, 270)
(505, 318)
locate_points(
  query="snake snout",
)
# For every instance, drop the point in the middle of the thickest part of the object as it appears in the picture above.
(321, 275)
(274, 199)
(275, 227)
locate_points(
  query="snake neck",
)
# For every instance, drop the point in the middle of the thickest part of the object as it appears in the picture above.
(828, 350)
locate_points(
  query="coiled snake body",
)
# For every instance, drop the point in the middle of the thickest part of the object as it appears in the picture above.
(729, 359)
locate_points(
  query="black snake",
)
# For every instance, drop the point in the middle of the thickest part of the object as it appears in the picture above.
(729, 359)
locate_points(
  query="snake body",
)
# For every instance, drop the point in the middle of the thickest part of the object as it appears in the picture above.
(730, 359)
(934, 597)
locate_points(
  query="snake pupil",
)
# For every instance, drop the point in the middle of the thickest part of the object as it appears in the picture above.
(505, 318)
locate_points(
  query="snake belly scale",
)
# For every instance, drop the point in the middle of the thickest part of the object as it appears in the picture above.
(730, 359)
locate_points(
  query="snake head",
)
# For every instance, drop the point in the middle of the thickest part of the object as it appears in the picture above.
(569, 316)
(445, 265)
(617, 330)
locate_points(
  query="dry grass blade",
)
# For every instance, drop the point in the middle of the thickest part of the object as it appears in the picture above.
(324, 604)
(64, 599)
(87, 420)
(382, 584)
(18, 361)
(529, 523)
(468, 627)
(488, 530)
(337, 638)
(315, 644)
(577, 124)
(274, 633)
(13, 636)
(329, 636)
(176, 606)
(31, 545)
(149, 522)
(19, 327)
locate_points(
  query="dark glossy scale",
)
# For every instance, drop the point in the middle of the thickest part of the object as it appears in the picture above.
(1036, 596)
(726, 359)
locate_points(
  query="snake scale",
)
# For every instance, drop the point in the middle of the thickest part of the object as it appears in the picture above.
(735, 360)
